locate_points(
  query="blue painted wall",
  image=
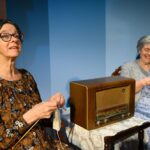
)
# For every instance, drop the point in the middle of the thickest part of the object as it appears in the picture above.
(32, 17)
(126, 22)
(64, 41)
(69, 40)
(77, 41)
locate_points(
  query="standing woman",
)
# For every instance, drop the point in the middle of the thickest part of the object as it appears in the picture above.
(140, 71)
(20, 103)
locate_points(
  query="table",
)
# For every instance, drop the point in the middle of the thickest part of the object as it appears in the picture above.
(111, 140)
(105, 138)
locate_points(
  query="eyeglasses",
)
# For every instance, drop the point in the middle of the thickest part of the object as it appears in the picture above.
(6, 37)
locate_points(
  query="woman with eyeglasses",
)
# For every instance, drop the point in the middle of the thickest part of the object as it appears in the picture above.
(140, 71)
(21, 106)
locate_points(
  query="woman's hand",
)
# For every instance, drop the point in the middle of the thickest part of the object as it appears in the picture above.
(59, 99)
(44, 109)
(141, 83)
(146, 81)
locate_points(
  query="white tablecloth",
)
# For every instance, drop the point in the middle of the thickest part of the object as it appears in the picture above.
(94, 139)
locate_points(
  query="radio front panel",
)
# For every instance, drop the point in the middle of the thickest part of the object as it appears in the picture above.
(99, 102)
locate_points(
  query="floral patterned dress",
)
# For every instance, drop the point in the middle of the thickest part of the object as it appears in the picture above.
(17, 97)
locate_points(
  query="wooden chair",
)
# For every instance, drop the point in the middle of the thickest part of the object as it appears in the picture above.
(117, 72)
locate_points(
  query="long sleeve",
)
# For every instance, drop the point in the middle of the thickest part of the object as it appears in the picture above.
(11, 130)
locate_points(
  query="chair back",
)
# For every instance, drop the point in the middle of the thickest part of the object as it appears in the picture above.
(117, 72)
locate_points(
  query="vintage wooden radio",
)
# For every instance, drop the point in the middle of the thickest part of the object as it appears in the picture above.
(98, 102)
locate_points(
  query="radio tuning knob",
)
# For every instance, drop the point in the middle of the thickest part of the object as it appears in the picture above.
(122, 115)
(123, 90)
(98, 123)
(105, 120)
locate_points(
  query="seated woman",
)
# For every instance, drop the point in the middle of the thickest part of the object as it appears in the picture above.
(140, 71)
(21, 107)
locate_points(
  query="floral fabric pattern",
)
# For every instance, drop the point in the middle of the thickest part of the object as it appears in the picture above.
(17, 97)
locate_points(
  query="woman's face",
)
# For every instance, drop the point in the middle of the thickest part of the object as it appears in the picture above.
(11, 48)
(145, 54)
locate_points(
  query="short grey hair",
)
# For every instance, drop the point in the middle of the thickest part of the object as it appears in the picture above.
(143, 40)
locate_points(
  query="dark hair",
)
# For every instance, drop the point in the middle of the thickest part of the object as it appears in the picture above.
(7, 21)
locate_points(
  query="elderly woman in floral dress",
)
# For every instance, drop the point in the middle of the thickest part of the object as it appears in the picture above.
(20, 103)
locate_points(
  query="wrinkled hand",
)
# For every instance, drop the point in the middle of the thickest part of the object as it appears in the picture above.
(44, 109)
(58, 98)
(145, 81)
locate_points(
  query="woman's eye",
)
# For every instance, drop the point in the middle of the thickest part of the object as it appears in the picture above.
(16, 36)
(5, 36)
